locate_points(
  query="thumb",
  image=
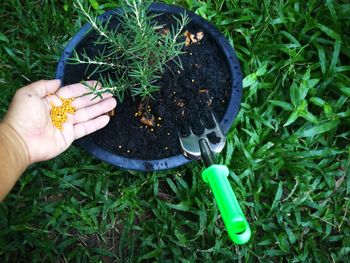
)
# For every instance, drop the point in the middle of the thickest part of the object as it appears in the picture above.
(44, 87)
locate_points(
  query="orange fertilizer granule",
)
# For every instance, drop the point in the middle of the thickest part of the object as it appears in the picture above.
(59, 114)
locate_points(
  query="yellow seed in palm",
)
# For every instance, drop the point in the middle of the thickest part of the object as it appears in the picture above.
(59, 115)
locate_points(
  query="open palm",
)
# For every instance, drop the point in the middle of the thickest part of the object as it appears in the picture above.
(29, 115)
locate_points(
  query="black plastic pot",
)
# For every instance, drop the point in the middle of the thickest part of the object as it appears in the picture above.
(167, 163)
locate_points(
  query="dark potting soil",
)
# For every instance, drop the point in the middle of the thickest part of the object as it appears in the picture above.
(185, 100)
(213, 138)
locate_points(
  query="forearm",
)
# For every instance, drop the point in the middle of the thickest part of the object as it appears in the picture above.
(13, 158)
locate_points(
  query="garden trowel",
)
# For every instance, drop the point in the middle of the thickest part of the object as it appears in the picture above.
(199, 146)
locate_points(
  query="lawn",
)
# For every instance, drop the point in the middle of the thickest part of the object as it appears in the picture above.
(288, 149)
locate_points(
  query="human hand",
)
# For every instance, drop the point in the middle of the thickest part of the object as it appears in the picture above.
(29, 115)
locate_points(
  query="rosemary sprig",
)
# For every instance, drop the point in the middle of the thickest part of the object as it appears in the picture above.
(135, 53)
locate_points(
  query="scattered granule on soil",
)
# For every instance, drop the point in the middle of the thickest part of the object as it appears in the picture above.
(59, 114)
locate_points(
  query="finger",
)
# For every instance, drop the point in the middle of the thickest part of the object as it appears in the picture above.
(88, 100)
(93, 111)
(77, 90)
(85, 128)
(43, 87)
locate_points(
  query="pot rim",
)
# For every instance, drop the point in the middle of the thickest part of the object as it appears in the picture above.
(174, 161)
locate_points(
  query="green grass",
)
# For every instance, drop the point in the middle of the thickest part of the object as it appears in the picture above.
(288, 149)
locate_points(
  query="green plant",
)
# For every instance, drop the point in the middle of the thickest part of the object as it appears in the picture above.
(135, 53)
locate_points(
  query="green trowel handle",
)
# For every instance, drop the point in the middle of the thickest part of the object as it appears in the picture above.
(235, 222)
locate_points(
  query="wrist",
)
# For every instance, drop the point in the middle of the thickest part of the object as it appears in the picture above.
(16, 143)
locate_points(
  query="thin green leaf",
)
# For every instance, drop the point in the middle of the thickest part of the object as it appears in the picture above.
(329, 32)
(278, 196)
(249, 80)
(3, 38)
(319, 129)
(94, 4)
